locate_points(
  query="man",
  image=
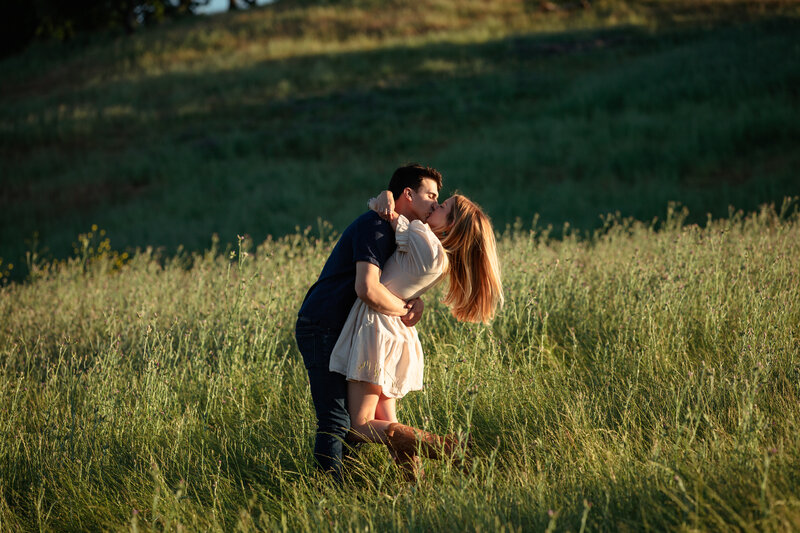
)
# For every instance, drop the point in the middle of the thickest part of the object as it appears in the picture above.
(353, 271)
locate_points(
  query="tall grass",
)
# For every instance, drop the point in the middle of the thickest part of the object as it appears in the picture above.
(645, 377)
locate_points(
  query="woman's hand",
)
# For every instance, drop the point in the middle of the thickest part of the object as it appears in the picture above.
(383, 204)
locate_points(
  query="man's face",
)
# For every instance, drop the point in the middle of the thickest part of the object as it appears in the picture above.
(425, 199)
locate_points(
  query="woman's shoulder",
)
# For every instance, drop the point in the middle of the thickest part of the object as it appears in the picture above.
(423, 229)
(417, 223)
(427, 246)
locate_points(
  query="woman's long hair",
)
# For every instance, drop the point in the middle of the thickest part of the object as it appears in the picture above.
(475, 289)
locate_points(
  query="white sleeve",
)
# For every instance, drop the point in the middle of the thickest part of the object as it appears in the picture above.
(401, 234)
(420, 245)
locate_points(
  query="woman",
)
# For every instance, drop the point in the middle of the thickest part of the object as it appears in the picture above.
(381, 357)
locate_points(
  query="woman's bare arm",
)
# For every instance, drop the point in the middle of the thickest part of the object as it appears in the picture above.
(383, 204)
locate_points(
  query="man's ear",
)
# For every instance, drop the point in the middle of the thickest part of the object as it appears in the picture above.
(407, 193)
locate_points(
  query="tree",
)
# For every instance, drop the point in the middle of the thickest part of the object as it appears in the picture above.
(24, 20)
(17, 26)
(233, 5)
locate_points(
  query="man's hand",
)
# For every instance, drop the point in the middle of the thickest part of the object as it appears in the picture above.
(415, 308)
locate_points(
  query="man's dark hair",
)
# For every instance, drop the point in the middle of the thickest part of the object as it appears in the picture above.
(411, 176)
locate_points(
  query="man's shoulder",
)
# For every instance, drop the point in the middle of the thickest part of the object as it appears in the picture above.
(372, 236)
(371, 217)
(369, 220)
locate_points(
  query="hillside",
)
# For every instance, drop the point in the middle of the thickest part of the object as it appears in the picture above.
(264, 121)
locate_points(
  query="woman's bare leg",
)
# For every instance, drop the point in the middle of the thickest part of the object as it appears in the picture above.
(409, 463)
(371, 413)
(363, 403)
(386, 409)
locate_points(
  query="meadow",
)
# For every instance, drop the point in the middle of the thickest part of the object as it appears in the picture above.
(178, 191)
(641, 379)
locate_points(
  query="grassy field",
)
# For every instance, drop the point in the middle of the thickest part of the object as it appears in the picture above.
(643, 375)
(636, 380)
(261, 122)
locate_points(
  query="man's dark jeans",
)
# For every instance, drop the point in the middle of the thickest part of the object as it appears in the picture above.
(328, 391)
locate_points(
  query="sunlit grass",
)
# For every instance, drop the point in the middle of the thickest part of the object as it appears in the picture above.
(643, 378)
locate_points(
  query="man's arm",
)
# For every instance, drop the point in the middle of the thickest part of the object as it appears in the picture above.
(370, 289)
(414, 312)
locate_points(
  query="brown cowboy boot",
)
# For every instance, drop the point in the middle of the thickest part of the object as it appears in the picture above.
(410, 466)
(404, 440)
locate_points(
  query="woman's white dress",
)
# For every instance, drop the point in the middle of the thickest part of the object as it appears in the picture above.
(380, 349)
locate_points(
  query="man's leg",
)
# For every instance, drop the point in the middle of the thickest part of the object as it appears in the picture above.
(328, 392)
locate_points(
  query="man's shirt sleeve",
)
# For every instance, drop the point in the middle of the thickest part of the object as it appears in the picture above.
(373, 242)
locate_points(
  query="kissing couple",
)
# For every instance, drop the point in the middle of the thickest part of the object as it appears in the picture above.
(355, 328)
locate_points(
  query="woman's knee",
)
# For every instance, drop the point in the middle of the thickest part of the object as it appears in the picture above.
(386, 409)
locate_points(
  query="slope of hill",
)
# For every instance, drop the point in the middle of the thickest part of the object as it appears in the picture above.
(259, 122)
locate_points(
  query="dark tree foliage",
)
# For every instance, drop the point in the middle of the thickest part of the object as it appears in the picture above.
(17, 26)
(25, 20)
(233, 5)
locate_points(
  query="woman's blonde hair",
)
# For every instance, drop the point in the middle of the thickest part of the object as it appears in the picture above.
(475, 289)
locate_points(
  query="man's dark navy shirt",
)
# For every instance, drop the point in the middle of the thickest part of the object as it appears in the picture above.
(328, 302)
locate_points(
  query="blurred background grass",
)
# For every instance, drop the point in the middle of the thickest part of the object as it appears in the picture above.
(263, 121)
